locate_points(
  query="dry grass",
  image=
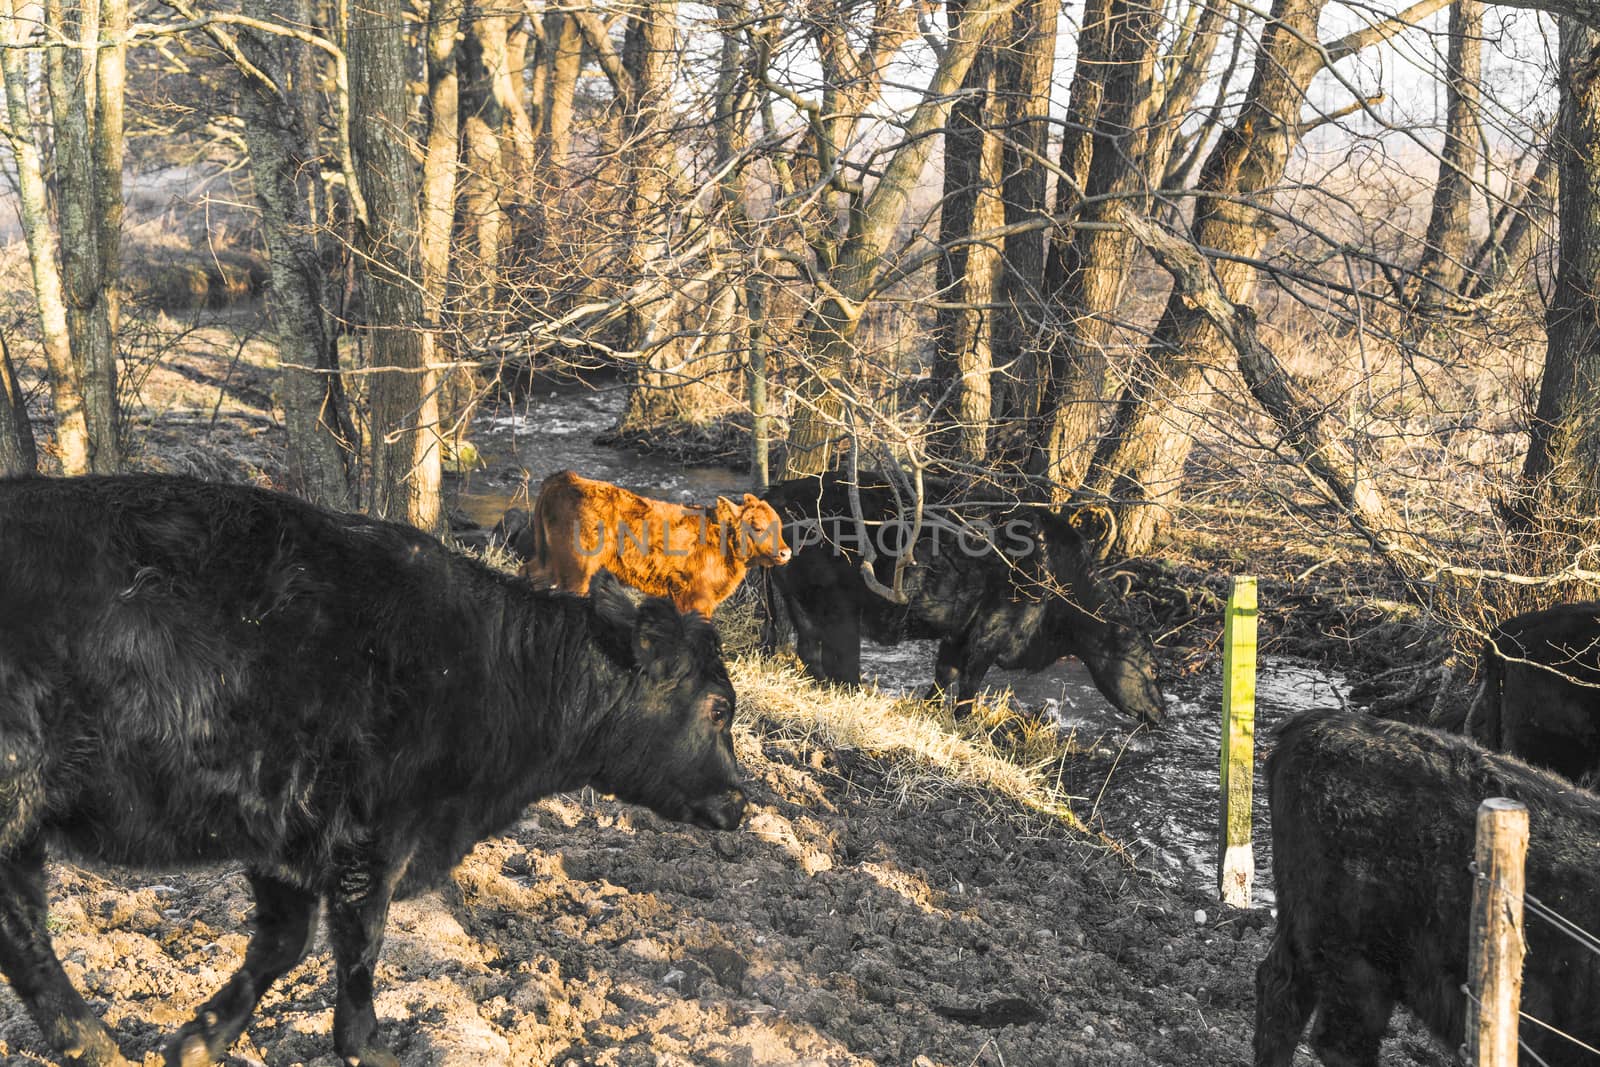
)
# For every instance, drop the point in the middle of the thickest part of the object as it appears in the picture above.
(993, 752)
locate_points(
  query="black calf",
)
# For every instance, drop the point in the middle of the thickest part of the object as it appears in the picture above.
(194, 672)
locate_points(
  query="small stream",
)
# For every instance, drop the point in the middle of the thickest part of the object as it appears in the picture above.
(1154, 791)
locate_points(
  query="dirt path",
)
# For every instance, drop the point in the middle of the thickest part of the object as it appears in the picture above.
(840, 927)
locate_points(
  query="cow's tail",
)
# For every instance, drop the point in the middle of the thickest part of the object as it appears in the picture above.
(1484, 713)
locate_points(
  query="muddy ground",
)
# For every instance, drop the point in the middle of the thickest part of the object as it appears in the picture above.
(840, 926)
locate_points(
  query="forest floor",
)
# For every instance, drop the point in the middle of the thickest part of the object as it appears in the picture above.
(887, 902)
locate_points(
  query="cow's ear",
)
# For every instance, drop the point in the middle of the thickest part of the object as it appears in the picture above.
(751, 500)
(615, 602)
(1095, 524)
(726, 510)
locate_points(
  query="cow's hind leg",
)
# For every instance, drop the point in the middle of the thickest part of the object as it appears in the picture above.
(1285, 994)
(1354, 1005)
(286, 920)
(357, 910)
(34, 971)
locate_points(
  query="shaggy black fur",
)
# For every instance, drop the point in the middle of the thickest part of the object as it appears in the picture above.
(193, 672)
(1539, 689)
(1031, 597)
(1372, 830)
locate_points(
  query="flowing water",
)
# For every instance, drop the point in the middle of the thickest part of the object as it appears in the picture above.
(1155, 791)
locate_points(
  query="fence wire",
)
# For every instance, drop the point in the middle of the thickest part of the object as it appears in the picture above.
(1532, 905)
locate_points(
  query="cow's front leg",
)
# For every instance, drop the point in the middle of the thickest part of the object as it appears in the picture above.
(958, 671)
(357, 910)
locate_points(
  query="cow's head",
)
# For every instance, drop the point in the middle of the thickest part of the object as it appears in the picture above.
(1086, 618)
(671, 749)
(755, 529)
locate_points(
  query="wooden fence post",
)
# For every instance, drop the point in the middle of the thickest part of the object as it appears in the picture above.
(1494, 967)
(1236, 863)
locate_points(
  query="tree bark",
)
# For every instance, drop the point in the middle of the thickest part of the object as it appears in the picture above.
(1444, 264)
(561, 84)
(1139, 462)
(967, 273)
(403, 434)
(279, 124)
(72, 426)
(1561, 474)
(1062, 435)
(1024, 71)
(18, 454)
(93, 157)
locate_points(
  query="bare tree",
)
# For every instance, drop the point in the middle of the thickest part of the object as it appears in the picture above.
(74, 446)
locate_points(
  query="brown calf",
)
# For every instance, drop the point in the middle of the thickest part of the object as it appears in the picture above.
(696, 556)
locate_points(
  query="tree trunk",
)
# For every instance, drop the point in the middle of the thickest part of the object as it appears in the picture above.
(279, 133)
(565, 43)
(1139, 463)
(18, 454)
(485, 179)
(403, 434)
(1562, 470)
(1024, 71)
(1061, 437)
(1444, 264)
(967, 273)
(440, 167)
(93, 157)
(72, 427)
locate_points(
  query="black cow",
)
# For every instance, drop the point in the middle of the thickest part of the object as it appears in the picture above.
(1539, 691)
(1372, 832)
(1016, 586)
(192, 673)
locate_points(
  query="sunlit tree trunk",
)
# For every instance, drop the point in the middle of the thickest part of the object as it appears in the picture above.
(404, 403)
(91, 153)
(33, 206)
(564, 43)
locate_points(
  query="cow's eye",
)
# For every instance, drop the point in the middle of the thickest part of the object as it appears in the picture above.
(720, 710)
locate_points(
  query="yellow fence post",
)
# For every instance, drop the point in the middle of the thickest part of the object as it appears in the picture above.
(1236, 863)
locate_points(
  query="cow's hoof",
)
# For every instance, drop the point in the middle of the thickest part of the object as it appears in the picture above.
(373, 1057)
(189, 1051)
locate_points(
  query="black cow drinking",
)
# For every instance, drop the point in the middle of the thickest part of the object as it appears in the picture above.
(1539, 691)
(1373, 824)
(1014, 586)
(193, 672)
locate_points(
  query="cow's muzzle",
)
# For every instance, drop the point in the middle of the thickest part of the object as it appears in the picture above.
(722, 811)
